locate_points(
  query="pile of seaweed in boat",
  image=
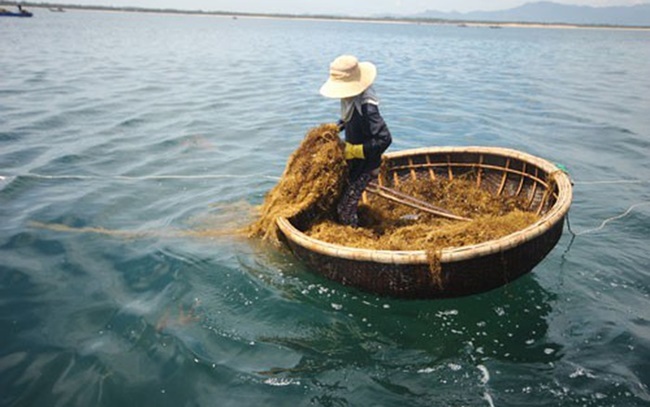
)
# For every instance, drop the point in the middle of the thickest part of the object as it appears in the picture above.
(313, 179)
(315, 176)
(386, 225)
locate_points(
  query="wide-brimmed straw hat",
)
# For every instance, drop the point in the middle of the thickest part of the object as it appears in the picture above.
(348, 77)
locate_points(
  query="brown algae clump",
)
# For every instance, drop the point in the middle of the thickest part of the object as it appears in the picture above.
(390, 226)
(313, 180)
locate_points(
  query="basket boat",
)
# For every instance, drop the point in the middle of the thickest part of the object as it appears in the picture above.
(12, 14)
(464, 270)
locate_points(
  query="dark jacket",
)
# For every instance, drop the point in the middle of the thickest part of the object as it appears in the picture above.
(370, 130)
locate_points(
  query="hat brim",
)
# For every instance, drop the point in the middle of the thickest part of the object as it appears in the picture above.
(337, 89)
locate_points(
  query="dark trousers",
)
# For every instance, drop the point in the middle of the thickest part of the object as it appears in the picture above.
(349, 203)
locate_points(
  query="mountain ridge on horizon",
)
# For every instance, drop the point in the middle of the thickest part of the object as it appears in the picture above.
(549, 12)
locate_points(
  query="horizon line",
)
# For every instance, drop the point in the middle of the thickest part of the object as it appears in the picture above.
(320, 16)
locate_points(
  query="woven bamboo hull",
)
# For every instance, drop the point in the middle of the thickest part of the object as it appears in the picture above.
(464, 270)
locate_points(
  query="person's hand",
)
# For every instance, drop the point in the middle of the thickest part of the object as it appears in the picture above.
(353, 151)
(341, 125)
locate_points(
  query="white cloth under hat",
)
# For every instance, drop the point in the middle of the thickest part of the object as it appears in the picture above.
(349, 104)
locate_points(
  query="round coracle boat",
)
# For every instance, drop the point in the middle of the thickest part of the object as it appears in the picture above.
(543, 188)
(5, 13)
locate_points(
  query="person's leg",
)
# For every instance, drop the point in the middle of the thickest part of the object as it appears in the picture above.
(349, 203)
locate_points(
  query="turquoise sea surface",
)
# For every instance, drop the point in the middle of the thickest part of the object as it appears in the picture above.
(122, 134)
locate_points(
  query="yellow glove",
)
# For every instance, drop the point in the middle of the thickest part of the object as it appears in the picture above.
(353, 151)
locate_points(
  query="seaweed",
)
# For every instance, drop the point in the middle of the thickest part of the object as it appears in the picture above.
(313, 180)
(386, 225)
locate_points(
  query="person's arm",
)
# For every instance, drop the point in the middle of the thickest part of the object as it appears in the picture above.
(381, 137)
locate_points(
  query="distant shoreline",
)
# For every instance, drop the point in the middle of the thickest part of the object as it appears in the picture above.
(308, 17)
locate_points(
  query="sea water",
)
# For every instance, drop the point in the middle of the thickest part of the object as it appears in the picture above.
(123, 133)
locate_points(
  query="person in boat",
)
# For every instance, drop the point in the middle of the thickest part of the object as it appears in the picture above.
(366, 134)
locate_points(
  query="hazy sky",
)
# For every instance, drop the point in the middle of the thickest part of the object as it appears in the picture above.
(362, 8)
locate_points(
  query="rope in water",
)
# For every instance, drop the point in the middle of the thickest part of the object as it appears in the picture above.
(136, 178)
(606, 221)
(225, 176)
(621, 181)
(602, 225)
